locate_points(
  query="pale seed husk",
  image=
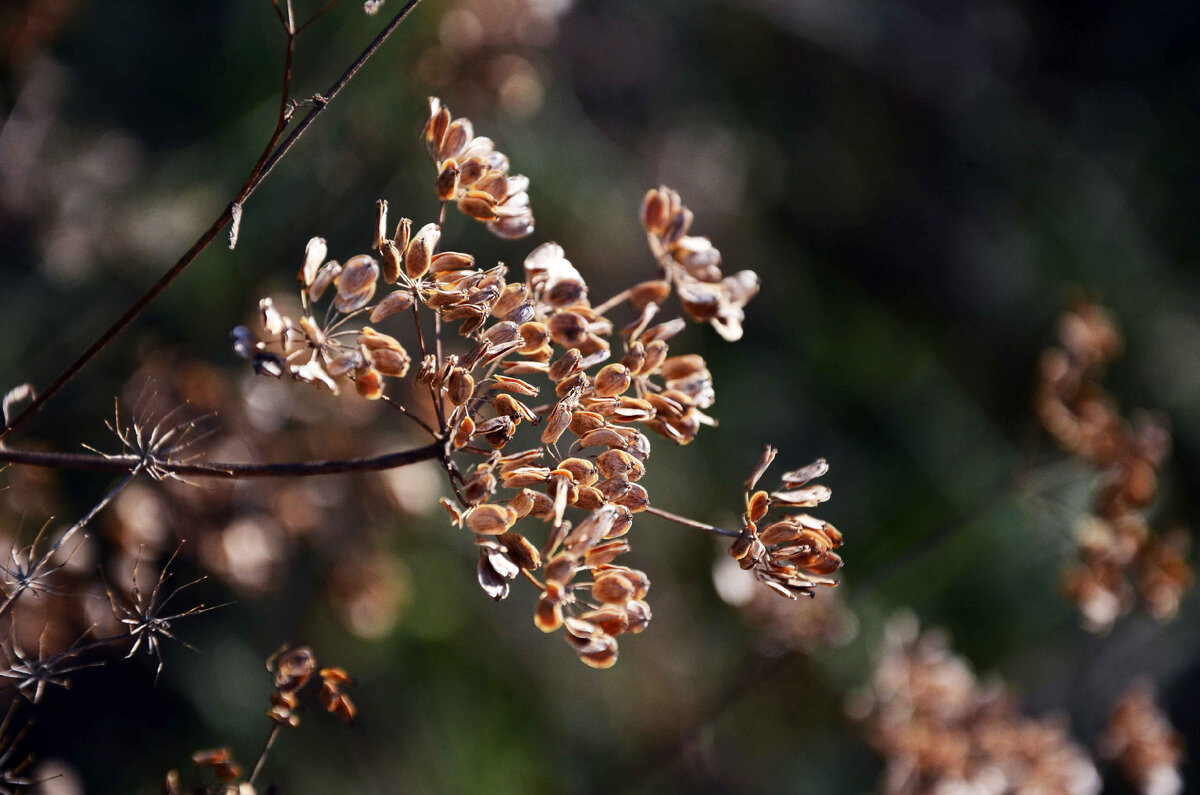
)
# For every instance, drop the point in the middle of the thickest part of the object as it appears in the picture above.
(356, 284)
(393, 303)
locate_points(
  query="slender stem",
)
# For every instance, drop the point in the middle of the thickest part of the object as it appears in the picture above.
(614, 301)
(232, 471)
(400, 407)
(683, 520)
(256, 177)
(262, 756)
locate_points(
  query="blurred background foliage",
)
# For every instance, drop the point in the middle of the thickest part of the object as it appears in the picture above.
(922, 188)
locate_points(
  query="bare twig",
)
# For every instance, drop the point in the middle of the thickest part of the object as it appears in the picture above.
(257, 175)
(231, 471)
(686, 522)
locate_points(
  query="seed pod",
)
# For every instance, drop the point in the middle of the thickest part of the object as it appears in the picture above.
(448, 261)
(393, 303)
(314, 255)
(381, 209)
(389, 255)
(460, 386)
(522, 504)
(547, 614)
(369, 384)
(757, 506)
(612, 380)
(566, 365)
(419, 255)
(535, 337)
(677, 368)
(556, 423)
(803, 498)
(655, 207)
(435, 128)
(522, 459)
(597, 651)
(639, 616)
(495, 183)
(403, 233)
(782, 532)
(509, 406)
(605, 553)
(389, 361)
(356, 284)
(471, 171)
(479, 205)
(583, 422)
(511, 298)
(588, 498)
(463, 433)
(561, 569)
(493, 583)
(458, 134)
(514, 385)
(327, 275)
(654, 291)
(447, 180)
(488, 519)
(520, 551)
(611, 587)
(272, 321)
(620, 464)
(344, 363)
(583, 472)
(610, 619)
(524, 477)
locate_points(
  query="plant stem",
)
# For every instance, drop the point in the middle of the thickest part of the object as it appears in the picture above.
(683, 520)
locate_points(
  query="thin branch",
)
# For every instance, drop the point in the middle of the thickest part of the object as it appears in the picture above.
(232, 471)
(262, 756)
(257, 176)
(686, 522)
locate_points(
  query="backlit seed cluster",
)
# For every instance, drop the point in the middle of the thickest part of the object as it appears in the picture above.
(1121, 559)
(1144, 745)
(794, 552)
(546, 405)
(940, 729)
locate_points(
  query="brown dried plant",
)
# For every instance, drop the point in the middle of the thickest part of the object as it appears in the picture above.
(1121, 559)
(940, 729)
(572, 459)
(1142, 742)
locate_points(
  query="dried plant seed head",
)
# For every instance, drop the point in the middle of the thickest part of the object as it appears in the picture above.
(447, 180)
(435, 127)
(356, 284)
(448, 261)
(419, 255)
(381, 224)
(478, 204)
(612, 380)
(393, 303)
(656, 209)
(314, 255)
(389, 257)
(327, 275)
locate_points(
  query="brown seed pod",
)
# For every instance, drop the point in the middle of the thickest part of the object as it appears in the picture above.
(583, 472)
(479, 205)
(369, 384)
(520, 550)
(612, 380)
(460, 386)
(447, 180)
(757, 506)
(356, 284)
(654, 291)
(450, 261)
(656, 207)
(389, 255)
(419, 255)
(547, 614)
(458, 134)
(556, 423)
(612, 587)
(488, 519)
(393, 303)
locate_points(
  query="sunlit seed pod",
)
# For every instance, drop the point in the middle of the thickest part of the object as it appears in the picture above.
(654, 291)
(479, 205)
(369, 384)
(579, 382)
(460, 386)
(493, 583)
(435, 128)
(605, 553)
(273, 322)
(501, 436)
(619, 464)
(543, 506)
(656, 354)
(381, 211)
(391, 362)
(638, 613)
(511, 407)
(655, 209)
(215, 756)
(665, 408)
(610, 619)
(622, 522)
(560, 569)
(782, 532)
(523, 458)
(583, 472)
(634, 358)
(444, 370)
(677, 368)
(512, 228)
(419, 255)
(638, 446)
(524, 477)
(478, 488)
(427, 370)
(612, 587)
(565, 365)
(520, 550)
(757, 506)
(472, 170)
(402, 235)
(588, 498)
(583, 422)
(603, 437)
(612, 380)
(448, 261)
(568, 329)
(514, 385)
(488, 519)
(314, 254)
(447, 180)
(463, 433)
(702, 304)
(803, 475)
(745, 543)
(521, 504)
(613, 488)
(806, 497)
(535, 336)
(343, 708)
(556, 423)
(373, 340)
(344, 363)
(327, 275)
(547, 614)
(458, 134)
(312, 372)
(598, 651)
(494, 183)
(393, 303)
(512, 297)
(561, 479)
(662, 331)
(827, 563)
(356, 284)
(389, 257)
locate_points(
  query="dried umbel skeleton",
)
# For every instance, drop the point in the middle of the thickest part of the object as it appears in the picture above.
(941, 730)
(546, 408)
(1120, 558)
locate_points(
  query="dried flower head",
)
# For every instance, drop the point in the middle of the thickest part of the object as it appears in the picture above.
(1140, 739)
(474, 175)
(940, 730)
